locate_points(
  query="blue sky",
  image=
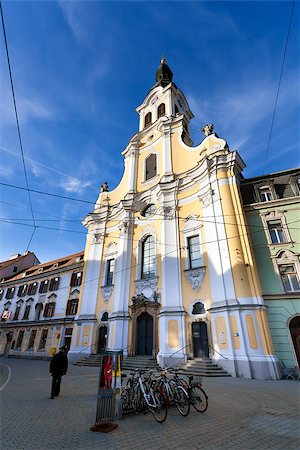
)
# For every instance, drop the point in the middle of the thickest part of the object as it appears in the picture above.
(81, 68)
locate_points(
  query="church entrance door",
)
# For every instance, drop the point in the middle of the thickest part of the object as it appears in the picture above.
(144, 334)
(200, 339)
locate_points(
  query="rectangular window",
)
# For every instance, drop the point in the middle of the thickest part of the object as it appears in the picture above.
(49, 309)
(43, 340)
(26, 312)
(32, 288)
(22, 290)
(276, 231)
(10, 292)
(289, 277)
(72, 307)
(76, 279)
(31, 340)
(110, 272)
(19, 340)
(54, 283)
(44, 287)
(148, 258)
(265, 195)
(195, 259)
(17, 312)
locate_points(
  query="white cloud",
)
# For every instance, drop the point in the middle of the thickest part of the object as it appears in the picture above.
(6, 172)
(74, 16)
(28, 108)
(75, 185)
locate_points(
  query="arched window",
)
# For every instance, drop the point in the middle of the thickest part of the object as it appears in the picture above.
(176, 110)
(148, 119)
(104, 317)
(149, 210)
(38, 310)
(148, 258)
(161, 110)
(150, 166)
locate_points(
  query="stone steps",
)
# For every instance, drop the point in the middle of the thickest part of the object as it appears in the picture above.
(203, 368)
(197, 366)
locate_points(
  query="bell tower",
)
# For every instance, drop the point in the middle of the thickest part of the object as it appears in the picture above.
(165, 102)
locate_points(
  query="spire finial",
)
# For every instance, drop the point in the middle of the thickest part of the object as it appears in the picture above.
(163, 74)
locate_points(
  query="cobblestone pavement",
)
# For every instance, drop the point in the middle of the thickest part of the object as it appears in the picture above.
(242, 414)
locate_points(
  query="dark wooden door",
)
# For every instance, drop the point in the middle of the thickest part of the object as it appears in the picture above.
(144, 334)
(102, 339)
(200, 339)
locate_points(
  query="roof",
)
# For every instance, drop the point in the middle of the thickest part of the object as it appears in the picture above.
(14, 259)
(50, 266)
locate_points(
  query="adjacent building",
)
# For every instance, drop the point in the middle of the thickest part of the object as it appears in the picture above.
(38, 307)
(272, 209)
(169, 268)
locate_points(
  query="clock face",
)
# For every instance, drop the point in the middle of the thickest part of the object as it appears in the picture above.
(154, 100)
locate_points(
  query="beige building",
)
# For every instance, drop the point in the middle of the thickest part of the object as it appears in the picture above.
(38, 307)
(169, 269)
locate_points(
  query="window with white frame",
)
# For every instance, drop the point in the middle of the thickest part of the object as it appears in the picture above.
(76, 279)
(110, 267)
(265, 194)
(195, 257)
(150, 167)
(289, 278)
(148, 258)
(276, 231)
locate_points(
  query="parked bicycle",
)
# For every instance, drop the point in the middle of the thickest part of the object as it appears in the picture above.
(174, 392)
(197, 395)
(141, 393)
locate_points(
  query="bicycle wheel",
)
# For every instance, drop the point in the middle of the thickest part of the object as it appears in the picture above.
(125, 400)
(181, 400)
(160, 409)
(198, 399)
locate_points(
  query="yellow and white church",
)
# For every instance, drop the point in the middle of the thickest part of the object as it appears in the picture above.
(169, 269)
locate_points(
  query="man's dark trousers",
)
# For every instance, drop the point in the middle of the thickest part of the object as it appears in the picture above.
(55, 389)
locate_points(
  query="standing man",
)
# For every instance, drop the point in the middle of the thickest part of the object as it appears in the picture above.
(58, 368)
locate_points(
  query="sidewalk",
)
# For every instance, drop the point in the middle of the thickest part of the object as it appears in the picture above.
(242, 414)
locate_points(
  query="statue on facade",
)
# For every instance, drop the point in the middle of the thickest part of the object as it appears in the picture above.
(104, 187)
(208, 129)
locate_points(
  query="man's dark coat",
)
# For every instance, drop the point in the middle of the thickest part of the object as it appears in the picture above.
(59, 364)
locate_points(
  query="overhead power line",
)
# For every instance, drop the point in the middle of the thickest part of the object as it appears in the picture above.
(47, 193)
(16, 113)
(279, 84)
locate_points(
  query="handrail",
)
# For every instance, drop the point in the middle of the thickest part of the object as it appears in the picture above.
(214, 350)
(188, 345)
(125, 348)
(86, 348)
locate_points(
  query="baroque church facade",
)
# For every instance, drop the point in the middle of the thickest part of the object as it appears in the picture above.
(169, 270)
